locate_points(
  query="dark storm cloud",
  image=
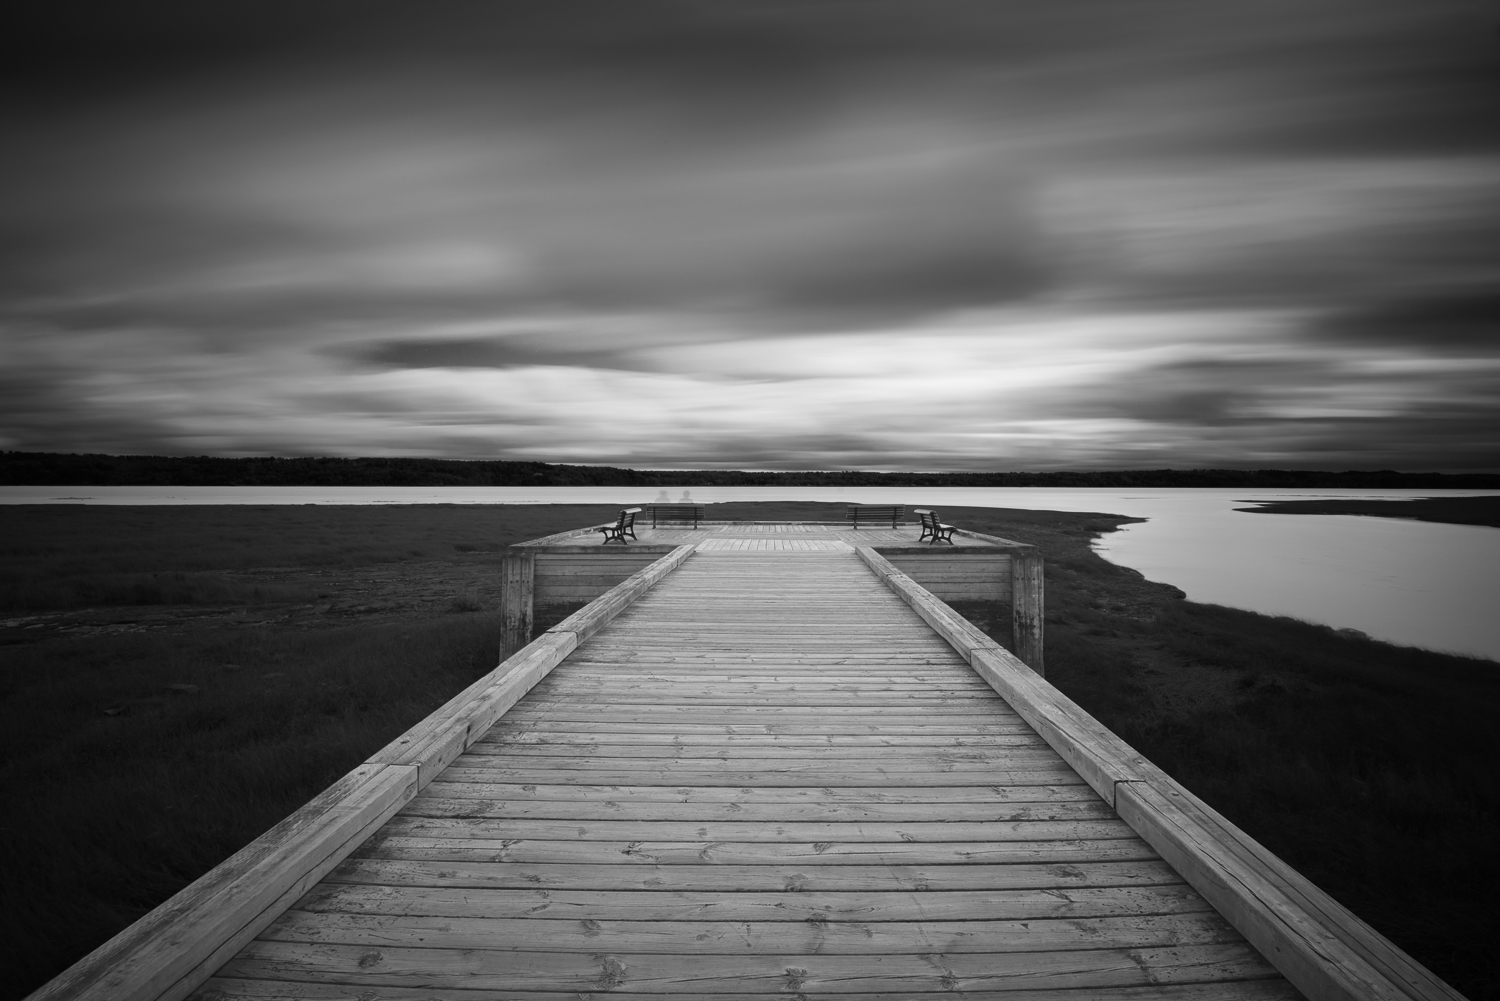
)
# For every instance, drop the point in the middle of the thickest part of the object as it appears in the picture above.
(1463, 320)
(474, 227)
(512, 351)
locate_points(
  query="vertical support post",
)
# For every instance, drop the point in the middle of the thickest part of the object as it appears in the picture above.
(1027, 608)
(517, 579)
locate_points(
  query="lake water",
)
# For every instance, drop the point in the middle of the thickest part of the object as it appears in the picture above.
(1417, 583)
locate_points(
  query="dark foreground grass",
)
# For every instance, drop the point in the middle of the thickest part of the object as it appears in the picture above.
(70, 556)
(1366, 766)
(110, 814)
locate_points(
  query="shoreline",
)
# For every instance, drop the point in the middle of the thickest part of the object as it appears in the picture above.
(1444, 510)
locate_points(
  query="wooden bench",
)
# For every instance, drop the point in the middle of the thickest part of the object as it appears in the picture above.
(876, 512)
(623, 526)
(675, 514)
(933, 530)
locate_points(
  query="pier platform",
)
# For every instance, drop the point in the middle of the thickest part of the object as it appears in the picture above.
(767, 763)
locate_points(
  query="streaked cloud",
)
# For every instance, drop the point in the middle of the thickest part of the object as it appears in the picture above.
(780, 235)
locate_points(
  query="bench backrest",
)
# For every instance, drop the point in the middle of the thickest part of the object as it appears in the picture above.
(627, 517)
(875, 512)
(692, 510)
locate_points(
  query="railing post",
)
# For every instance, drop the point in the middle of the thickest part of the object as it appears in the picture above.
(517, 577)
(1027, 608)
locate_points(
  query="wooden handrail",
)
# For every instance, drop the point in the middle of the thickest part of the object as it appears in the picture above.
(1324, 949)
(173, 949)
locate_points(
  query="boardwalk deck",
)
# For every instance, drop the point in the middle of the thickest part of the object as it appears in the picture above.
(766, 777)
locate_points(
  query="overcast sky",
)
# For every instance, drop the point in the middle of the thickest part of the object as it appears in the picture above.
(754, 234)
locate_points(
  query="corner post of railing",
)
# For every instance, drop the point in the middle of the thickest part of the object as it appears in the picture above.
(1028, 607)
(517, 588)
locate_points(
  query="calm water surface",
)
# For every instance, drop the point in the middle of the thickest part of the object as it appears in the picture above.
(1418, 583)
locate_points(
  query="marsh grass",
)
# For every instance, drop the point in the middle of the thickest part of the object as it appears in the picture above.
(120, 790)
(72, 556)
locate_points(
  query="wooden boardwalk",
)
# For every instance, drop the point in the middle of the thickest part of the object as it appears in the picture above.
(766, 777)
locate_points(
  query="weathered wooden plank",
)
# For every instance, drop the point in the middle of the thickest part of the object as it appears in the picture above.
(756, 853)
(968, 710)
(1067, 785)
(677, 770)
(604, 689)
(897, 679)
(771, 660)
(714, 940)
(573, 686)
(904, 721)
(605, 562)
(520, 739)
(462, 969)
(792, 878)
(898, 701)
(784, 832)
(768, 656)
(1001, 757)
(688, 905)
(936, 729)
(747, 758)
(676, 777)
(480, 804)
(236, 989)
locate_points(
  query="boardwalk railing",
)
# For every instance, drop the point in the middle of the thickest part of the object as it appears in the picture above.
(170, 951)
(1316, 943)
(571, 567)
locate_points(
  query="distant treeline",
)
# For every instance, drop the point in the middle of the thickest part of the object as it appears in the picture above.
(63, 469)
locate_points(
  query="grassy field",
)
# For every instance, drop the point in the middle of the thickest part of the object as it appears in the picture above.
(175, 680)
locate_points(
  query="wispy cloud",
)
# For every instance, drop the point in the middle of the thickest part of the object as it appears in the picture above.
(899, 235)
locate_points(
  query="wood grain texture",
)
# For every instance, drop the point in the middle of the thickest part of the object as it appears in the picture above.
(766, 774)
(814, 905)
(237, 989)
(809, 973)
(777, 879)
